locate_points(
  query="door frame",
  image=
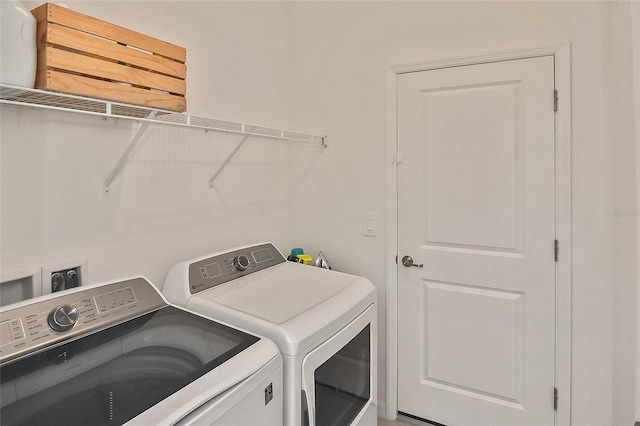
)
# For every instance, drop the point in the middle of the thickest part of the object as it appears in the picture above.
(562, 60)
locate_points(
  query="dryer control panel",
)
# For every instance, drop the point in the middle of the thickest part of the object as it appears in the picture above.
(223, 267)
(44, 321)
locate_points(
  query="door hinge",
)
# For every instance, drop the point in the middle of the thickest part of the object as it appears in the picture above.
(556, 249)
(555, 399)
(397, 158)
(555, 100)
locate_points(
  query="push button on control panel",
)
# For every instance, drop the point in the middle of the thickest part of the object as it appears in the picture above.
(63, 318)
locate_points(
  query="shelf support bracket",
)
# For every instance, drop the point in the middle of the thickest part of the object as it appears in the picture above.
(228, 159)
(125, 156)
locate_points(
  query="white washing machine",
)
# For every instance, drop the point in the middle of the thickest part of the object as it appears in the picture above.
(324, 323)
(117, 353)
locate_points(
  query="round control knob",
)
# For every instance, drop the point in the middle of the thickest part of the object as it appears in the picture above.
(63, 317)
(241, 263)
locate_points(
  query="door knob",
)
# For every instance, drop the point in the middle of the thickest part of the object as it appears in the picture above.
(408, 261)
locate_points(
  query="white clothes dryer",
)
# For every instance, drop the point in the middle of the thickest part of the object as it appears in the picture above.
(118, 353)
(324, 323)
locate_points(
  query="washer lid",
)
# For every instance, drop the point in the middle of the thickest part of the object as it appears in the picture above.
(282, 292)
(115, 374)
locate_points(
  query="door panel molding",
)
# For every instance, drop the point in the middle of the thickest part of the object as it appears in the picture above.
(562, 54)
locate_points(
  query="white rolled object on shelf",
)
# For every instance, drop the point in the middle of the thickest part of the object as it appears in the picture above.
(18, 60)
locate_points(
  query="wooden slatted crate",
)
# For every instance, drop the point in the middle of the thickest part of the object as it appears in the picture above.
(85, 56)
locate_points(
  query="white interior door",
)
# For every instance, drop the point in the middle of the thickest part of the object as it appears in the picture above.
(476, 323)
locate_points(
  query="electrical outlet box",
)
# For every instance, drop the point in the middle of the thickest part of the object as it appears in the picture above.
(64, 275)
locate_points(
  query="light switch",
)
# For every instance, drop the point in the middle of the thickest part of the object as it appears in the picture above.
(370, 224)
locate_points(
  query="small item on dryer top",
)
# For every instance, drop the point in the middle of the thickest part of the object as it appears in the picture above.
(293, 257)
(298, 255)
(304, 258)
(321, 261)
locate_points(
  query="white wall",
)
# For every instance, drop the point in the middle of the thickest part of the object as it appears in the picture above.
(320, 67)
(161, 210)
(635, 25)
(621, 125)
(339, 59)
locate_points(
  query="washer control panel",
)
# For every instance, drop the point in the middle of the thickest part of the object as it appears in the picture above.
(45, 321)
(224, 267)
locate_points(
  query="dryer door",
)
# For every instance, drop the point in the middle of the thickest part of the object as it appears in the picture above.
(338, 376)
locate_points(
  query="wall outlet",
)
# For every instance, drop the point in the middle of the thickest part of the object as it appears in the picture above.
(64, 275)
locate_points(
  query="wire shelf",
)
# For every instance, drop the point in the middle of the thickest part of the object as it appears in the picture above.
(21, 96)
(14, 95)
